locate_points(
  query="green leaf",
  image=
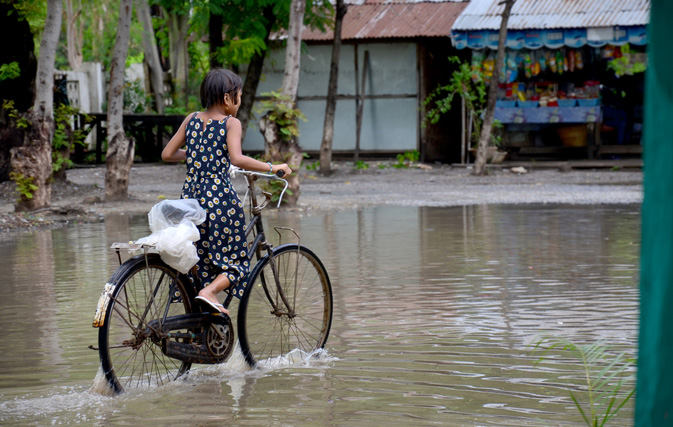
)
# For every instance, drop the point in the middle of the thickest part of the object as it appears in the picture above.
(9, 71)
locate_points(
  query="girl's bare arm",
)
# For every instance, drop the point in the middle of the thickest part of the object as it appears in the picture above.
(242, 161)
(173, 152)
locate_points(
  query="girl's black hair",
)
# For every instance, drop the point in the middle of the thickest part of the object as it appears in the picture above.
(216, 84)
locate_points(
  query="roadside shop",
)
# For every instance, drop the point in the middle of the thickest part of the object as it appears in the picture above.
(573, 76)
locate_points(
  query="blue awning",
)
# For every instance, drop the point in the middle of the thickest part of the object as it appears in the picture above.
(552, 38)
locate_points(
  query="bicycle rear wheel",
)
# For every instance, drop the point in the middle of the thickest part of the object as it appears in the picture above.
(145, 293)
(293, 313)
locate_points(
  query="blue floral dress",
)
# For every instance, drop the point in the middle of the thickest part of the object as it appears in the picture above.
(222, 247)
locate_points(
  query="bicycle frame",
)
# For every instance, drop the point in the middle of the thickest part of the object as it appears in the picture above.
(260, 244)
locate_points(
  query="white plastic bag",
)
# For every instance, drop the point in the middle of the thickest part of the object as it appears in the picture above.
(173, 224)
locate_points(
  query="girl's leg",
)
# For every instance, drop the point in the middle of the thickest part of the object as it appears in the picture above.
(210, 292)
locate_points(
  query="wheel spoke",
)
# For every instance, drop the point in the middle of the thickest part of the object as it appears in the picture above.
(130, 352)
(304, 325)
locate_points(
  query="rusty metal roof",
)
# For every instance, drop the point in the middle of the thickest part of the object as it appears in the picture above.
(540, 14)
(384, 19)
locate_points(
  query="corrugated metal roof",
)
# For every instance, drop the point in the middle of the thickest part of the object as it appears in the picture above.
(540, 14)
(401, 1)
(388, 20)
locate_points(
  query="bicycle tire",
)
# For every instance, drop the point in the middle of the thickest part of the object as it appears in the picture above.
(129, 356)
(265, 335)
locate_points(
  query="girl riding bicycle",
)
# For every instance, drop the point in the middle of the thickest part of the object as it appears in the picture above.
(213, 140)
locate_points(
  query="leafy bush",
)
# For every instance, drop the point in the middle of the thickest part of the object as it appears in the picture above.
(280, 110)
(9, 71)
(604, 374)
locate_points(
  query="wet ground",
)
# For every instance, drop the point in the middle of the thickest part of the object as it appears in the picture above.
(436, 311)
(81, 197)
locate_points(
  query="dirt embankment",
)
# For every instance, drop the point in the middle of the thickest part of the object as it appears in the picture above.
(81, 197)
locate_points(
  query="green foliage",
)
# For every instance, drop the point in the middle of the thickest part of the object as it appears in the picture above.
(179, 107)
(313, 166)
(275, 187)
(245, 35)
(604, 374)
(65, 137)
(135, 100)
(469, 85)
(404, 161)
(13, 113)
(280, 110)
(135, 58)
(9, 71)
(628, 63)
(360, 165)
(24, 185)
(199, 61)
(240, 51)
(35, 12)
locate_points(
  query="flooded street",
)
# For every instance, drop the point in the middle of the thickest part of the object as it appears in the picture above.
(436, 311)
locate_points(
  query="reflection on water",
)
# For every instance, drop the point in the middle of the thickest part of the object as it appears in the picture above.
(435, 311)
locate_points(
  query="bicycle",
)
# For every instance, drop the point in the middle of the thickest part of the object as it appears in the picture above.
(151, 329)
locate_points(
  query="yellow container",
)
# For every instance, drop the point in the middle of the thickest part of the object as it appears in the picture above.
(573, 136)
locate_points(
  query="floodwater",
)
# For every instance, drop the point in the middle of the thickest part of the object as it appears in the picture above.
(436, 311)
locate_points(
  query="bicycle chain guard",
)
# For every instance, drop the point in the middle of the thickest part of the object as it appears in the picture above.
(210, 339)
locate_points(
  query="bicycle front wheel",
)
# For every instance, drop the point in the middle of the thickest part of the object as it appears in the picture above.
(145, 293)
(287, 306)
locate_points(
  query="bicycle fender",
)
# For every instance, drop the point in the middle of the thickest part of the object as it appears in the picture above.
(103, 302)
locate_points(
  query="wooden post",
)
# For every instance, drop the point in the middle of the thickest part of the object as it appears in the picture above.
(357, 101)
(361, 105)
(462, 130)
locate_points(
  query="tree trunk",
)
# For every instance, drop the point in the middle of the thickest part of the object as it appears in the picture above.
(120, 149)
(21, 89)
(177, 23)
(74, 34)
(277, 149)
(293, 50)
(330, 109)
(254, 74)
(177, 36)
(151, 54)
(215, 24)
(487, 126)
(32, 161)
(280, 150)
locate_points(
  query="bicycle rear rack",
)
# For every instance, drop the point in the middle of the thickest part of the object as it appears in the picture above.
(131, 247)
(280, 234)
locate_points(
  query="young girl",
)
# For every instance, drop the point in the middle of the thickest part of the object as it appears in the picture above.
(213, 140)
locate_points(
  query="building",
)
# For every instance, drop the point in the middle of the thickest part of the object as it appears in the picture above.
(573, 78)
(401, 48)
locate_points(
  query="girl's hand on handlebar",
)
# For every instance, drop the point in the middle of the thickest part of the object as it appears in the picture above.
(284, 168)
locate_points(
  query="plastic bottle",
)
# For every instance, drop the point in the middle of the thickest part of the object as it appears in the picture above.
(571, 61)
(527, 65)
(552, 63)
(579, 63)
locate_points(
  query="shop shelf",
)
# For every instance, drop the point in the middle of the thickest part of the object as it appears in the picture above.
(528, 104)
(567, 102)
(589, 102)
(505, 104)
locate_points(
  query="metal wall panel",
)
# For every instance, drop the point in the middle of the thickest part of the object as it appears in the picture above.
(390, 121)
(528, 14)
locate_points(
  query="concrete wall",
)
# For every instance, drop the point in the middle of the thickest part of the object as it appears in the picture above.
(390, 116)
(85, 87)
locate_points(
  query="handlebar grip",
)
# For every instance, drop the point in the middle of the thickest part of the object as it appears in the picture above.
(280, 173)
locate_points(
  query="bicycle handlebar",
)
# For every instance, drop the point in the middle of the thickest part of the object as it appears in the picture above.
(233, 170)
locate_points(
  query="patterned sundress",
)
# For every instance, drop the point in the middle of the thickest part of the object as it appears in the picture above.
(222, 247)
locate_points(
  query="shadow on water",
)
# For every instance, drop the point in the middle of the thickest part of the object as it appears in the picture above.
(435, 310)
